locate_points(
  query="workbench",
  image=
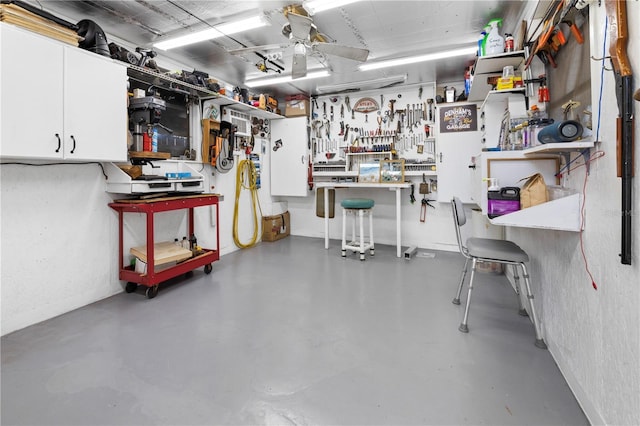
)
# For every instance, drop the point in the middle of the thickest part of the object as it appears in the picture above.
(152, 277)
(397, 187)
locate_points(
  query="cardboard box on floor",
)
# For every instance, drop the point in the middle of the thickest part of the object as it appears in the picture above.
(276, 227)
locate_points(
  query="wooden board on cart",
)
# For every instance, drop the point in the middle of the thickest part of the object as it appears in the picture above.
(163, 197)
(162, 253)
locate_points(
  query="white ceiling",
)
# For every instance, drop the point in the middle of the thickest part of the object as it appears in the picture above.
(389, 29)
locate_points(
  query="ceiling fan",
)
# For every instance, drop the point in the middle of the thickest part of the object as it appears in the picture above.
(306, 40)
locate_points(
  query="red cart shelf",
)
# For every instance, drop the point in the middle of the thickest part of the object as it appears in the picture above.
(152, 278)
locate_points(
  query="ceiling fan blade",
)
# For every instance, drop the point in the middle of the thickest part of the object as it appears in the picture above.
(299, 66)
(300, 26)
(354, 53)
(257, 48)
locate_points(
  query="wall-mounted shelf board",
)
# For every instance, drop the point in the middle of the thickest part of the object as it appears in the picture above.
(166, 81)
(562, 214)
(491, 65)
(239, 106)
(420, 173)
(549, 148)
(496, 95)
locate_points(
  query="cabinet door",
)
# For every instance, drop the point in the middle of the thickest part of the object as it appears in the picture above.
(453, 161)
(95, 107)
(290, 162)
(30, 95)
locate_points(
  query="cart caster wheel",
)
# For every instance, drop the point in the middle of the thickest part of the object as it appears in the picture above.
(152, 292)
(208, 268)
(362, 258)
(188, 274)
(372, 252)
(130, 287)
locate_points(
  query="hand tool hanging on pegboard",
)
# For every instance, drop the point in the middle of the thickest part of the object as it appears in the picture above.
(423, 208)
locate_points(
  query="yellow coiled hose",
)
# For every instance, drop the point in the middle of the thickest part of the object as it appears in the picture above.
(246, 177)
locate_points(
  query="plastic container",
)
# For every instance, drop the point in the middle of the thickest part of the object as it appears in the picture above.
(495, 42)
(509, 43)
(504, 201)
(154, 141)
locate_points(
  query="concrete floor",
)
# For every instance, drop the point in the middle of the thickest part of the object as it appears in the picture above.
(290, 333)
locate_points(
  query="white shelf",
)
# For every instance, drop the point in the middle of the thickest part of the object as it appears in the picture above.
(370, 153)
(549, 148)
(491, 65)
(242, 107)
(562, 214)
(493, 95)
(335, 174)
(420, 173)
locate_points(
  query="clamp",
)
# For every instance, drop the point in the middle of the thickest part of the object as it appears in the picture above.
(423, 208)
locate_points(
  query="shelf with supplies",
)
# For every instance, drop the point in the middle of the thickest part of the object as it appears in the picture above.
(490, 65)
(492, 95)
(562, 214)
(223, 101)
(166, 81)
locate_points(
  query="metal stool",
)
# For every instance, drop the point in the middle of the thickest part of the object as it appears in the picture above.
(357, 207)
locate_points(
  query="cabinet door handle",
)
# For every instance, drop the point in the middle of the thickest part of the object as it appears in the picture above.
(59, 142)
(302, 159)
(441, 157)
(74, 144)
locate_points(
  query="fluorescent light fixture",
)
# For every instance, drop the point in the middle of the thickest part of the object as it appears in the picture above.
(215, 32)
(315, 6)
(284, 79)
(377, 83)
(416, 59)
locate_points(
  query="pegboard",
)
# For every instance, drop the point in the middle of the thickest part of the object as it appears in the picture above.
(352, 128)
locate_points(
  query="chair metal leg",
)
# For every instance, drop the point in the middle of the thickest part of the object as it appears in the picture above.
(463, 325)
(539, 341)
(456, 300)
(521, 310)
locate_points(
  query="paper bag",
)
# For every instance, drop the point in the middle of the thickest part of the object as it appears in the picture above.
(533, 192)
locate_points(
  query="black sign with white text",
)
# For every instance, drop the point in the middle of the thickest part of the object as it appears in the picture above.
(458, 118)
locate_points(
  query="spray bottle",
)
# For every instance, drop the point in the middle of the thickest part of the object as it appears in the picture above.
(483, 36)
(495, 42)
(483, 46)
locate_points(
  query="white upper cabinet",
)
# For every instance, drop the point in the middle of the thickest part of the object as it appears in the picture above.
(58, 102)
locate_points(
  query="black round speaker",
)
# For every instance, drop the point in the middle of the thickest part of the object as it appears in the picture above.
(561, 131)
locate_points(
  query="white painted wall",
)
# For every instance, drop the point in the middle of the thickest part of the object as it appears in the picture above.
(594, 336)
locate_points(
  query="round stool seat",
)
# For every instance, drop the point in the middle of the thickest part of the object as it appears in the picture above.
(357, 203)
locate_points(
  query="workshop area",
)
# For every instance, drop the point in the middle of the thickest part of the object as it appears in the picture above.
(345, 212)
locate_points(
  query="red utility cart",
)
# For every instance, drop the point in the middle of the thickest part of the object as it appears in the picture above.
(152, 278)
